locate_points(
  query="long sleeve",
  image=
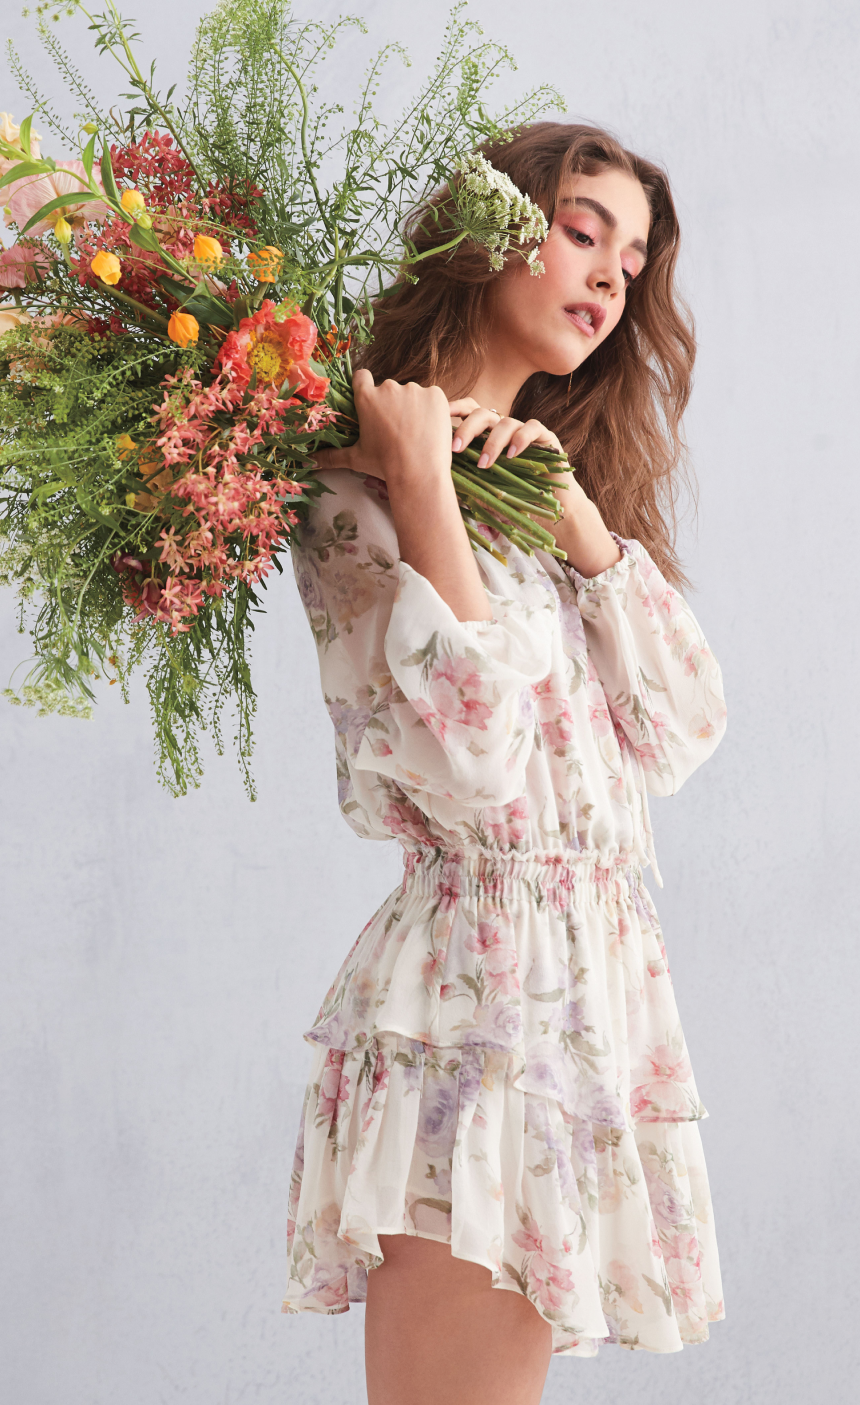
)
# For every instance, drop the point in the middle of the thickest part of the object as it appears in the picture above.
(662, 683)
(440, 707)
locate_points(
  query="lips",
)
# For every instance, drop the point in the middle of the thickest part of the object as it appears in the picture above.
(592, 320)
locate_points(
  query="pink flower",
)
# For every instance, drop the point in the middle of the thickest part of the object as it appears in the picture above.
(648, 754)
(21, 264)
(25, 197)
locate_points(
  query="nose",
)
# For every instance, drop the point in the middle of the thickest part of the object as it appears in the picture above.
(607, 277)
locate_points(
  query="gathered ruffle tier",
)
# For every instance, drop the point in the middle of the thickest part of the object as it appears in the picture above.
(500, 1066)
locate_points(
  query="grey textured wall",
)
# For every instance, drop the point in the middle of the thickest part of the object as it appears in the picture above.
(160, 958)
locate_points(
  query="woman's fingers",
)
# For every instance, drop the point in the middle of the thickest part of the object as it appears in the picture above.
(475, 422)
(334, 458)
(515, 436)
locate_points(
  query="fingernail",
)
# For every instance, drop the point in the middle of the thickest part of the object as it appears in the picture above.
(483, 460)
(457, 445)
(511, 451)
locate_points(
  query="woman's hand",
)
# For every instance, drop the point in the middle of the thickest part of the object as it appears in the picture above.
(405, 439)
(470, 419)
(580, 531)
(403, 430)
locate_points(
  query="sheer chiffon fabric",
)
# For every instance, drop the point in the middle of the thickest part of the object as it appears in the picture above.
(499, 1063)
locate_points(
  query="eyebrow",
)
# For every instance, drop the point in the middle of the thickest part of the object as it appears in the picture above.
(608, 219)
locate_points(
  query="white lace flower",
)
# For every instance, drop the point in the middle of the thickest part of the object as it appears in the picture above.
(494, 213)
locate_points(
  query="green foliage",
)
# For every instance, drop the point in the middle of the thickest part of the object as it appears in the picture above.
(332, 196)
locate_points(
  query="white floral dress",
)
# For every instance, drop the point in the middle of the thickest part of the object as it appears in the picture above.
(499, 1063)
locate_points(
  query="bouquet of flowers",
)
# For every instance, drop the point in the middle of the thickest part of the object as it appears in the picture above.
(178, 310)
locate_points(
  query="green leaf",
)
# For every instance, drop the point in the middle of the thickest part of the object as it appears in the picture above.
(201, 304)
(57, 204)
(88, 157)
(144, 239)
(21, 169)
(47, 490)
(91, 510)
(24, 134)
(107, 176)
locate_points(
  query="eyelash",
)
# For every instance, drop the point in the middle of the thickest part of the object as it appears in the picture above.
(577, 234)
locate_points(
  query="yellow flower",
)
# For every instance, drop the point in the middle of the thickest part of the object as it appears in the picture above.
(265, 264)
(132, 202)
(62, 230)
(106, 267)
(207, 250)
(183, 328)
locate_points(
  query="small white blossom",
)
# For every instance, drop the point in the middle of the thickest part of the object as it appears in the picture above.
(495, 213)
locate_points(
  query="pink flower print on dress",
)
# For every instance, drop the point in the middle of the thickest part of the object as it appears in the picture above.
(508, 824)
(458, 694)
(434, 967)
(548, 1284)
(685, 1281)
(682, 1246)
(553, 712)
(402, 817)
(627, 1283)
(658, 1085)
(701, 727)
(448, 890)
(334, 1088)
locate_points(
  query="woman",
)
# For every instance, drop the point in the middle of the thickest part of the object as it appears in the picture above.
(502, 1097)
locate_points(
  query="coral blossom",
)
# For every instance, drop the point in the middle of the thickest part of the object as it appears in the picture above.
(277, 349)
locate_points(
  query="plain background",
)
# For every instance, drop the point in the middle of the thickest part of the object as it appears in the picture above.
(162, 957)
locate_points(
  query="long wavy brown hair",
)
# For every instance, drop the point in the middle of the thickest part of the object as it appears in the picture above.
(619, 415)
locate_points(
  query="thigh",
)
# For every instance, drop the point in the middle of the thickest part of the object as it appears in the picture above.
(438, 1333)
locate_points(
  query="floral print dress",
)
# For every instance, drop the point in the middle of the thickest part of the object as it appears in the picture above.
(499, 1063)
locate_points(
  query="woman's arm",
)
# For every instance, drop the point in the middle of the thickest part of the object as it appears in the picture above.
(405, 439)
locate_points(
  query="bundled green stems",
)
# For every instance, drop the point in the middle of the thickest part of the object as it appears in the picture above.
(515, 497)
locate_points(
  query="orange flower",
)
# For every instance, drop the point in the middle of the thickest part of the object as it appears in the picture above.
(183, 328)
(152, 470)
(265, 264)
(106, 267)
(207, 250)
(275, 345)
(156, 477)
(328, 346)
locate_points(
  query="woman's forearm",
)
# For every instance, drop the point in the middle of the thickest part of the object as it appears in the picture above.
(433, 540)
(582, 532)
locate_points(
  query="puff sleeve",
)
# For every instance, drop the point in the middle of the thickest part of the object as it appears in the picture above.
(439, 706)
(662, 683)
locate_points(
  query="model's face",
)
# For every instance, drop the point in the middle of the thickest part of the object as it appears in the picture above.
(595, 249)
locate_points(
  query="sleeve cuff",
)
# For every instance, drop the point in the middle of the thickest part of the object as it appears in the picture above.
(610, 575)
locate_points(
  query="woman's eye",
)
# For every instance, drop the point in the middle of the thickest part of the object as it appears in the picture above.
(580, 237)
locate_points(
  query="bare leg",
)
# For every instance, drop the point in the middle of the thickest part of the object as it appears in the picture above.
(438, 1333)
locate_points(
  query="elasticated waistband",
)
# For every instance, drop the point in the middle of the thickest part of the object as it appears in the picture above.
(476, 871)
